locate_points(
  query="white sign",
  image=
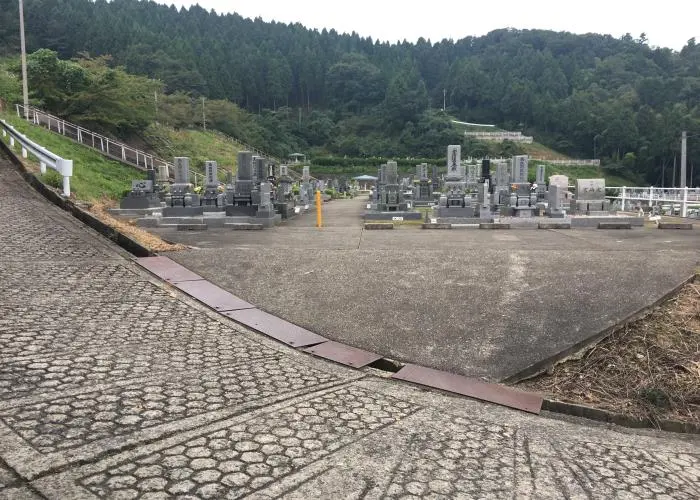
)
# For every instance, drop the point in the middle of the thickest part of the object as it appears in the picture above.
(397, 218)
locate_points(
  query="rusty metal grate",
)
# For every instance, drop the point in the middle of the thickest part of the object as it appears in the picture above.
(213, 296)
(167, 269)
(343, 354)
(473, 388)
(275, 327)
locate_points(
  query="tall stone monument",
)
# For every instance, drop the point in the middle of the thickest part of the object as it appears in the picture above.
(181, 201)
(211, 198)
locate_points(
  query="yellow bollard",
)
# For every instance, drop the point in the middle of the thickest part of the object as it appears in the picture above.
(319, 215)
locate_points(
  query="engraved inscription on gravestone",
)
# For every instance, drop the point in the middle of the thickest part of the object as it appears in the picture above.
(590, 189)
(210, 172)
(182, 170)
(454, 161)
(519, 169)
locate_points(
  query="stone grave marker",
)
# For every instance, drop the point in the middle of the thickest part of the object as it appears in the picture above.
(211, 173)
(182, 170)
(519, 169)
(455, 170)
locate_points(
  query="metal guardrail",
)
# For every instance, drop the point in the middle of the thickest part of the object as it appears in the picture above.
(108, 147)
(45, 157)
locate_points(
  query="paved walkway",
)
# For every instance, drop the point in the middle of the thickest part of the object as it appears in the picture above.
(115, 385)
(479, 303)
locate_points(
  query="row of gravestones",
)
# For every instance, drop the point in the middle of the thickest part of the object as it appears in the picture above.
(254, 191)
(466, 192)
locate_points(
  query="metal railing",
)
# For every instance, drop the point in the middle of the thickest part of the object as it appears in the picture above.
(45, 157)
(108, 147)
(652, 195)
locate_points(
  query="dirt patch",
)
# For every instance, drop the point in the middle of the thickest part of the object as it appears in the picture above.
(129, 228)
(648, 369)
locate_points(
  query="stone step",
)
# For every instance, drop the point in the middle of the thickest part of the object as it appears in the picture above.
(242, 226)
(437, 225)
(554, 225)
(614, 225)
(675, 225)
(379, 225)
(494, 225)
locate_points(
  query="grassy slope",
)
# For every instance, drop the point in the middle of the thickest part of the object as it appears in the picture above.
(198, 145)
(94, 176)
(582, 172)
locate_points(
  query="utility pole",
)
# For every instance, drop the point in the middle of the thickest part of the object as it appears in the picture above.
(155, 95)
(204, 116)
(23, 48)
(444, 97)
(684, 158)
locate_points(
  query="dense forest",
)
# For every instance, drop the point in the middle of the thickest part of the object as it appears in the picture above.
(286, 87)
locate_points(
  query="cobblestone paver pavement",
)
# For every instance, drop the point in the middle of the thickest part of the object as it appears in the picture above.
(115, 385)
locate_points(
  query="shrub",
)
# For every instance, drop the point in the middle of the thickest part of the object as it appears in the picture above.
(52, 178)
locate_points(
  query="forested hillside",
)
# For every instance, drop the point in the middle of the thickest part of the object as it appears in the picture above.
(294, 88)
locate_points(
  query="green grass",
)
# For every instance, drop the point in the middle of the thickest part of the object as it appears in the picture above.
(94, 176)
(198, 145)
(581, 172)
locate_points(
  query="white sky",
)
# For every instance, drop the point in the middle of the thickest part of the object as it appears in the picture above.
(669, 23)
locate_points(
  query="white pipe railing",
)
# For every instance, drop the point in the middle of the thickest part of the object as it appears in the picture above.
(652, 194)
(106, 146)
(45, 157)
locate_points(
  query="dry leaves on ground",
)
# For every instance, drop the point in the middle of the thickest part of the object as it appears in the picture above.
(650, 368)
(143, 237)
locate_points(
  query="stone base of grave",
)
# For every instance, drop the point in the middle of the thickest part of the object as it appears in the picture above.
(437, 225)
(675, 225)
(133, 212)
(524, 212)
(185, 227)
(182, 211)
(236, 211)
(585, 221)
(267, 220)
(212, 220)
(140, 202)
(614, 225)
(466, 212)
(286, 210)
(423, 203)
(212, 208)
(391, 215)
(464, 220)
(237, 226)
(494, 225)
(554, 225)
(379, 225)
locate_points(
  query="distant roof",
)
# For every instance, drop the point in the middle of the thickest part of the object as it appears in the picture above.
(296, 154)
(365, 178)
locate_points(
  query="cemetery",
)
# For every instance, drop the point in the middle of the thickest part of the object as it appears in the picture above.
(260, 195)
(480, 193)
(470, 194)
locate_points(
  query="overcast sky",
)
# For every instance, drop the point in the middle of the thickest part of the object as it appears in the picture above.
(669, 23)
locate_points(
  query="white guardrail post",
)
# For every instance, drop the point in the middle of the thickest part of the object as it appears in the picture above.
(45, 157)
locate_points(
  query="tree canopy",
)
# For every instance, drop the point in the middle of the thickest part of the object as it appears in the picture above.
(291, 87)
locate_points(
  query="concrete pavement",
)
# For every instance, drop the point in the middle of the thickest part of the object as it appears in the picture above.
(489, 304)
(116, 385)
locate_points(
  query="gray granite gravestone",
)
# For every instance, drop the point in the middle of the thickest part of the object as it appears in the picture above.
(211, 199)
(181, 201)
(590, 197)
